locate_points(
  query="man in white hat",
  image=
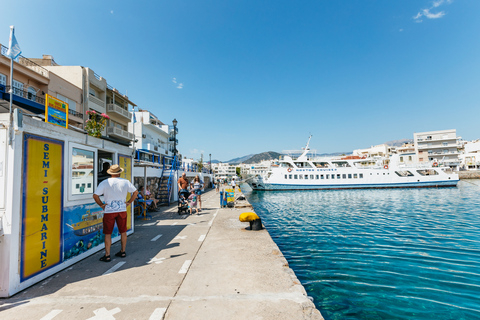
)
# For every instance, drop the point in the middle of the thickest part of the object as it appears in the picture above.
(114, 191)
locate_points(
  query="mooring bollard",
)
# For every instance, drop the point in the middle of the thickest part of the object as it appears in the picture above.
(253, 219)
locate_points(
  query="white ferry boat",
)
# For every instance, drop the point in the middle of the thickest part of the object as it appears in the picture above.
(350, 173)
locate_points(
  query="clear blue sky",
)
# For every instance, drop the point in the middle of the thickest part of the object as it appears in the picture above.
(247, 76)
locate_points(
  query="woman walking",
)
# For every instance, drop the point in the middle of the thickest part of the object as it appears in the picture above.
(197, 185)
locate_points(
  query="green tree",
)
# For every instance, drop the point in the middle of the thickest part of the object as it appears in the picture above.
(200, 165)
(237, 170)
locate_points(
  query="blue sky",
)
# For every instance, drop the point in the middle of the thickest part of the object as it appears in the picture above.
(247, 76)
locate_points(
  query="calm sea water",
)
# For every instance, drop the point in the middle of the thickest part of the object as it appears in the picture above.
(381, 254)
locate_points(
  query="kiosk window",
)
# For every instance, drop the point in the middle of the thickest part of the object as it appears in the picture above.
(82, 171)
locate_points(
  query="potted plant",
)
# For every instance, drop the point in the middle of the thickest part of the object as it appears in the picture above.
(95, 123)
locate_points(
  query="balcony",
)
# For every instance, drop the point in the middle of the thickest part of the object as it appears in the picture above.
(28, 63)
(124, 114)
(119, 133)
(23, 99)
(75, 113)
(172, 139)
(97, 103)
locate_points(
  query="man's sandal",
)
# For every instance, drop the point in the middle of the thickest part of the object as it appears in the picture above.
(105, 259)
(121, 254)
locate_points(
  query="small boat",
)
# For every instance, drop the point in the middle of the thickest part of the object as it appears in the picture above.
(350, 172)
(91, 222)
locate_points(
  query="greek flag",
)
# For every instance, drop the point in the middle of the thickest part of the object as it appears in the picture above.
(13, 47)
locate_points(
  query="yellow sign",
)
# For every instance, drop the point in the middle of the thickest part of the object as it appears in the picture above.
(126, 164)
(42, 205)
(56, 111)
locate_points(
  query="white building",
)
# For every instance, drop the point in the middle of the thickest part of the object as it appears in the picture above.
(407, 154)
(257, 168)
(438, 146)
(224, 170)
(153, 138)
(470, 159)
(381, 150)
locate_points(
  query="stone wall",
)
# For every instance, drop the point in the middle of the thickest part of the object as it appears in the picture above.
(469, 174)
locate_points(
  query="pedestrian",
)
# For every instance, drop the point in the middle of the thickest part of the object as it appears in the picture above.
(114, 191)
(217, 185)
(197, 185)
(233, 184)
(183, 183)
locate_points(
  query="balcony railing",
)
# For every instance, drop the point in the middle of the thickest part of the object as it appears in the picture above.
(119, 133)
(97, 101)
(75, 113)
(120, 111)
(170, 128)
(25, 94)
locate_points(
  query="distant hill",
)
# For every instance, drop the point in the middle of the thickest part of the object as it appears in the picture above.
(270, 155)
(240, 159)
(398, 143)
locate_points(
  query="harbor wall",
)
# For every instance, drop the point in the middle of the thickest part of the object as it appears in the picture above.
(469, 174)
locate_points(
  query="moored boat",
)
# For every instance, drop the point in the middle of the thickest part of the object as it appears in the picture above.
(350, 172)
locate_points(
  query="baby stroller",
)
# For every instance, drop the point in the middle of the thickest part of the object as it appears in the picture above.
(182, 201)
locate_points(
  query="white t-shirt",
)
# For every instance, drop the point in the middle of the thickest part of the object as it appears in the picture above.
(115, 192)
(233, 183)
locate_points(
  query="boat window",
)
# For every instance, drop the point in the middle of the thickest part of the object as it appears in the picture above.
(349, 176)
(285, 176)
(316, 177)
(341, 164)
(289, 176)
(338, 176)
(303, 164)
(321, 164)
(321, 176)
(306, 176)
(427, 172)
(300, 176)
(295, 177)
(286, 165)
(361, 175)
(333, 176)
(344, 176)
(404, 173)
(325, 176)
(355, 176)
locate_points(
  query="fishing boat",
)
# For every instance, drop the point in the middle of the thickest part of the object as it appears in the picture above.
(350, 172)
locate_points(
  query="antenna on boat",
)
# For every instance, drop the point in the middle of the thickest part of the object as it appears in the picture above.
(308, 142)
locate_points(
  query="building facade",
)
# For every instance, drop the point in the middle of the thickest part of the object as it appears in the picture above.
(441, 147)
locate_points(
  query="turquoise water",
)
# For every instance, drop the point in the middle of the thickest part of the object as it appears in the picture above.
(381, 254)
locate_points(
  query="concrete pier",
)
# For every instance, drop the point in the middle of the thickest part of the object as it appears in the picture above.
(177, 267)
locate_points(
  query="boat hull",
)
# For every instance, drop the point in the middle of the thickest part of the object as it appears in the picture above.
(425, 184)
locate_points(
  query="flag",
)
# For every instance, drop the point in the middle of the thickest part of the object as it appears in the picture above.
(13, 47)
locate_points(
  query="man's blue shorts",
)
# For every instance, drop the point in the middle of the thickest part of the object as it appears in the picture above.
(198, 192)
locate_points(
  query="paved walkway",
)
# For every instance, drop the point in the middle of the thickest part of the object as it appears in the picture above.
(177, 267)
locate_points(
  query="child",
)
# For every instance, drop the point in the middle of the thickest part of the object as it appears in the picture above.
(192, 200)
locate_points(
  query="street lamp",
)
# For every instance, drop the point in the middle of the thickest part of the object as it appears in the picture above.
(210, 167)
(174, 137)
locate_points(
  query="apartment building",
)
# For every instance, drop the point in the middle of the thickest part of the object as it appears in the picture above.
(224, 170)
(97, 95)
(438, 146)
(31, 83)
(381, 150)
(407, 154)
(153, 138)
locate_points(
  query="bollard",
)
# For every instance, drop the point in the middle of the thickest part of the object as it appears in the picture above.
(221, 199)
(256, 224)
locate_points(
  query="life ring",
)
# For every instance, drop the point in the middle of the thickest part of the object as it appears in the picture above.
(385, 166)
(289, 169)
(435, 164)
(364, 156)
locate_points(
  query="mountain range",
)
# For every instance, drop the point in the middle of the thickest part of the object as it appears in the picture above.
(272, 155)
